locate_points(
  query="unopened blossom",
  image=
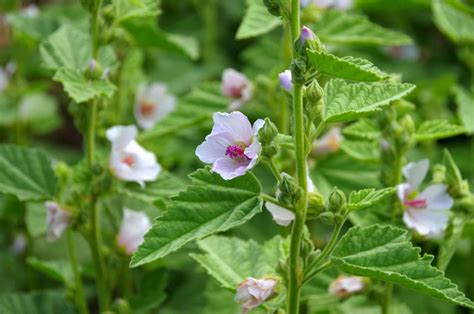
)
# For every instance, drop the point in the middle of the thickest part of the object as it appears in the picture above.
(232, 147)
(152, 104)
(344, 286)
(134, 227)
(58, 220)
(306, 34)
(237, 87)
(426, 212)
(329, 142)
(285, 80)
(128, 160)
(252, 292)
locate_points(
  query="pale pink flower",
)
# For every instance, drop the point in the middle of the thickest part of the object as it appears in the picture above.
(252, 293)
(336, 4)
(329, 142)
(128, 160)
(57, 219)
(232, 147)
(134, 227)
(237, 87)
(285, 80)
(427, 212)
(19, 244)
(152, 104)
(344, 286)
(306, 34)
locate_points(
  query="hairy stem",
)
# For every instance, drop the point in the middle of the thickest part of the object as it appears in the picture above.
(273, 168)
(79, 288)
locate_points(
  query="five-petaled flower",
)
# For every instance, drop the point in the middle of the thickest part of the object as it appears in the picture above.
(128, 160)
(252, 292)
(426, 212)
(134, 227)
(232, 147)
(329, 142)
(237, 87)
(58, 220)
(152, 104)
(344, 286)
(285, 80)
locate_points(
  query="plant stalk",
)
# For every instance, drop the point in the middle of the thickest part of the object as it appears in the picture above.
(79, 287)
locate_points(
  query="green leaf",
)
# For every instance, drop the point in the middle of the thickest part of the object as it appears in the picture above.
(437, 129)
(231, 260)
(452, 20)
(349, 68)
(465, 101)
(35, 303)
(368, 197)
(452, 237)
(257, 21)
(133, 9)
(35, 219)
(58, 270)
(81, 89)
(209, 205)
(453, 174)
(363, 129)
(26, 173)
(361, 150)
(40, 112)
(385, 253)
(345, 28)
(345, 102)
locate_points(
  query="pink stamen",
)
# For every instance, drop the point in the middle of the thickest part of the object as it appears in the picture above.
(416, 203)
(128, 160)
(236, 152)
(236, 91)
(147, 108)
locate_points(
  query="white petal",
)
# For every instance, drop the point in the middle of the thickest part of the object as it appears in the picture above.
(402, 191)
(234, 123)
(281, 216)
(228, 168)
(415, 172)
(214, 147)
(426, 222)
(120, 136)
(436, 197)
(57, 220)
(134, 227)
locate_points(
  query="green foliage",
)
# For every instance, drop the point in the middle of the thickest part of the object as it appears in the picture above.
(368, 197)
(210, 205)
(362, 150)
(35, 303)
(363, 129)
(345, 102)
(451, 239)
(58, 270)
(132, 9)
(26, 173)
(454, 20)
(257, 21)
(465, 101)
(385, 253)
(437, 129)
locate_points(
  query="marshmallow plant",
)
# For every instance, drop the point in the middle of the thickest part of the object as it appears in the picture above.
(152, 104)
(237, 87)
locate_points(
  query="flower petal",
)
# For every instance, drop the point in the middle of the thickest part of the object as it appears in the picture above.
(120, 136)
(214, 147)
(281, 216)
(234, 123)
(415, 172)
(436, 197)
(228, 168)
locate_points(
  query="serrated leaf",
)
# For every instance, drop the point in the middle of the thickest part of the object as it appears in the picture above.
(452, 236)
(361, 150)
(26, 173)
(257, 21)
(346, 28)
(385, 253)
(81, 89)
(209, 205)
(363, 129)
(437, 129)
(348, 68)
(345, 102)
(58, 270)
(231, 260)
(465, 102)
(368, 197)
(132, 9)
(456, 23)
(35, 303)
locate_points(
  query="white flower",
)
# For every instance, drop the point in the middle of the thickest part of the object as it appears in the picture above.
(251, 293)
(285, 80)
(128, 160)
(232, 147)
(134, 227)
(30, 11)
(237, 87)
(426, 212)
(344, 286)
(329, 142)
(152, 104)
(58, 220)
(19, 244)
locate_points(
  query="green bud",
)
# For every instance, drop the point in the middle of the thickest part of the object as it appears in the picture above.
(328, 218)
(464, 205)
(268, 132)
(407, 124)
(269, 150)
(121, 306)
(314, 92)
(439, 173)
(95, 70)
(316, 204)
(290, 192)
(337, 200)
(298, 70)
(273, 6)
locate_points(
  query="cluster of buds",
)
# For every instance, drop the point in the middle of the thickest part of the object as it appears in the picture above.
(335, 208)
(289, 191)
(266, 137)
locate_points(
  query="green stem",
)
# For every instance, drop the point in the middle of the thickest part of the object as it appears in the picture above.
(387, 298)
(79, 288)
(270, 199)
(316, 271)
(90, 136)
(95, 28)
(273, 168)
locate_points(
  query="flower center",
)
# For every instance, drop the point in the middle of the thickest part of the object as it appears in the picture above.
(128, 160)
(147, 108)
(236, 91)
(236, 152)
(416, 203)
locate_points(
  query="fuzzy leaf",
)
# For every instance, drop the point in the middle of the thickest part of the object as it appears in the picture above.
(361, 150)
(452, 20)
(451, 239)
(437, 129)
(209, 205)
(257, 21)
(345, 28)
(368, 197)
(385, 253)
(132, 9)
(35, 303)
(349, 68)
(345, 102)
(363, 129)
(58, 270)
(465, 101)
(231, 260)
(26, 173)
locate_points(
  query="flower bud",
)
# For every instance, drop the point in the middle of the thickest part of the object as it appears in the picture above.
(95, 70)
(337, 201)
(344, 286)
(285, 80)
(316, 204)
(252, 292)
(298, 69)
(268, 132)
(289, 191)
(407, 124)
(269, 150)
(439, 173)
(306, 34)
(328, 218)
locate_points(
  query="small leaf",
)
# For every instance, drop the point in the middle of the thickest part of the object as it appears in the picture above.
(348, 68)
(132, 9)
(385, 253)
(361, 150)
(368, 197)
(451, 239)
(257, 21)
(35, 303)
(26, 173)
(363, 129)
(456, 23)
(58, 270)
(81, 89)
(209, 205)
(453, 175)
(345, 102)
(437, 129)
(465, 101)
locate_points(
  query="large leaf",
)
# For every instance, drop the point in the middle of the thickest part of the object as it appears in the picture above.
(348, 68)
(344, 28)
(231, 260)
(345, 102)
(452, 237)
(58, 270)
(361, 150)
(465, 101)
(363, 129)
(26, 173)
(368, 197)
(437, 129)
(454, 20)
(35, 303)
(257, 20)
(132, 9)
(386, 253)
(210, 205)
